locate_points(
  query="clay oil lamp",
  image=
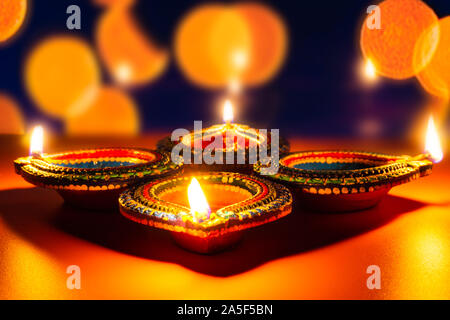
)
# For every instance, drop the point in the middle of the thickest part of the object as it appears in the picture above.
(92, 178)
(335, 181)
(206, 222)
(236, 139)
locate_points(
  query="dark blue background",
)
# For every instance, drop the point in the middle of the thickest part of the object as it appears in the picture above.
(317, 92)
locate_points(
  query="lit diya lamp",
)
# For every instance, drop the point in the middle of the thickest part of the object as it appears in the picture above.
(231, 142)
(235, 202)
(92, 178)
(337, 181)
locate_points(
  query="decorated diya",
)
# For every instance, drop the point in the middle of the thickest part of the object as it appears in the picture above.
(234, 203)
(237, 140)
(336, 181)
(93, 178)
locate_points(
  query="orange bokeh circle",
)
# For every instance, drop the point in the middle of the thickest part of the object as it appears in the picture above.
(11, 120)
(130, 57)
(218, 44)
(12, 15)
(62, 75)
(269, 42)
(435, 77)
(391, 48)
(112, 113)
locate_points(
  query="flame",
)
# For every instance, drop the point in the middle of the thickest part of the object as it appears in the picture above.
(370, 71)
(227, 111)
(432, 142)
(37, 141)
(197, 201)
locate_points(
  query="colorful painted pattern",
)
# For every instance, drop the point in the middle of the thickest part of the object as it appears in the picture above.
(242, 138)
(344, 172)
(266, 202)
(95, 169)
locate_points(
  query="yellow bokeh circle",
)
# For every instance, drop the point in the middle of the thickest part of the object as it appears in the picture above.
(62, 76)
(217, 44)
(435, 77)
(113, 112)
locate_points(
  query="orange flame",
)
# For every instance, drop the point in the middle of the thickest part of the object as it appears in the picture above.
(227, 111)
(432, 142)
(197, 201)
(37, 141)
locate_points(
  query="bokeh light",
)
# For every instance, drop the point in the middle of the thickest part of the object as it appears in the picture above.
(269, 42)
(112, 113)
(216, 45)
(129, 55)
(391, 48)
(108, 3)
(435, 78)
(191, 42)
(11, 118)
(12, 15)
(62, 76)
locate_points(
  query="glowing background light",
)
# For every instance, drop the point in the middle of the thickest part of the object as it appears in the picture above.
(391, 48)
(127, 52)
(216, 44)
(369, 70)
(37, 141)
(197, 201)
(12, 15)
(435, 77)
(112, 113)
(62, 75)
(432, 142)
(11, 117)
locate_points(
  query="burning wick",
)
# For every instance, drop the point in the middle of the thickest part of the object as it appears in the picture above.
(197, 201)
(37, 142)
(432, 142)
(227, 112)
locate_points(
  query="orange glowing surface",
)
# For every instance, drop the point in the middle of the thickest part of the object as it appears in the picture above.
(11, 119)
(62, 75)
(302, 256)
(391, 48)
(112, 113)
(12, 15)
(108, 3)
(129, 55)
(216, 45)
(268, 45)
(435, 78)
(191, 42)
